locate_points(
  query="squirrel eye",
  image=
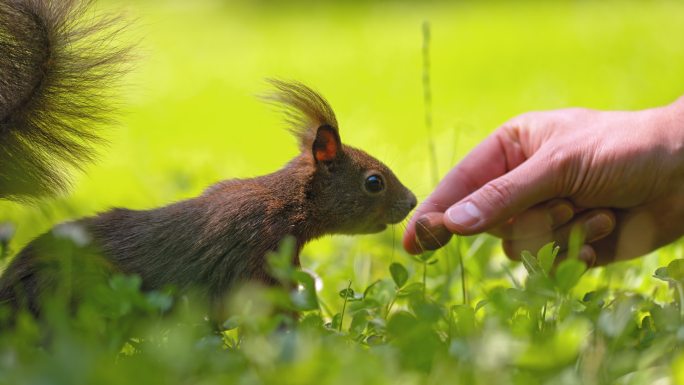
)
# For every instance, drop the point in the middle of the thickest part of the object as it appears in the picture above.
(374, 184)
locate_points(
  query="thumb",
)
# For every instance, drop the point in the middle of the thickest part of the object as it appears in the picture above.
(530, 183)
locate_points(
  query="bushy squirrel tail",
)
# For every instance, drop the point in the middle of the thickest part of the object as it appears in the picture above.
(59, 67)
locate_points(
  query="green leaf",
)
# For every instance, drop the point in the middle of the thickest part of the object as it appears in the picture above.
(359, 322)
(382, 292)
(374, 340)
(232, 323)
(347, 293)
(675, 270)
(417, 258)
(370, 288)
(546, 256)
(661, 273)
(125, 283)
(400, 323)
(594, 299)
(540, 285)
(311, 321)
(464, 318)
(410, 290)
(426, 256)
(575, 242)
(399, 274)
(160, 301)
(618, 319)
(531, 263)
(336, 320)
(665, 318)
(426, 311)
(280, 262)
(559, 350)
(569, 273)
(305, 298)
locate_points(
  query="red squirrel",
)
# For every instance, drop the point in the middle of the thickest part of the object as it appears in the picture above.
(221, 237)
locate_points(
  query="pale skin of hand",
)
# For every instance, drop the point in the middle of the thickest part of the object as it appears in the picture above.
(617, 175)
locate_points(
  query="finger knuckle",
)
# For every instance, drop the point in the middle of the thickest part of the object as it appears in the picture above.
(562, 168)
(558, 160)
(521, 121)
(498, 193)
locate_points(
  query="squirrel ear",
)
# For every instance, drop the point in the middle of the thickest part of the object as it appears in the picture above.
(327, 144)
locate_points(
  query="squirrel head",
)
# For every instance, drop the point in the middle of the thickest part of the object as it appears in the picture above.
(349, 191)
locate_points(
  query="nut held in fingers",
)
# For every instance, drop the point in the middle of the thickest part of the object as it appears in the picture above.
(431, 234)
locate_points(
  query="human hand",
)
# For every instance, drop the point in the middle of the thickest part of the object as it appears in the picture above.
(619, 175)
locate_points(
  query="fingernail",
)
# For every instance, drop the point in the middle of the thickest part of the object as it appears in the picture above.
(464, 215)
(430, 232)
(598, 226)
(560, 214)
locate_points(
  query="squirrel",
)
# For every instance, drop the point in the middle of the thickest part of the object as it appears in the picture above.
(210, 242)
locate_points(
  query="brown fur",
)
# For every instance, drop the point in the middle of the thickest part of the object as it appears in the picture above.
(220, 238)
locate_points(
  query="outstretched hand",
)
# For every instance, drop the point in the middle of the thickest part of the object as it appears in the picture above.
(619, 175)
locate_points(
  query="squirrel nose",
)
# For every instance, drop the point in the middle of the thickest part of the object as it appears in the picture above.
(413, 202)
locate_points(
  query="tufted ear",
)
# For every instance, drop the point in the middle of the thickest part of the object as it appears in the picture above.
(310, 117)
(326, 145)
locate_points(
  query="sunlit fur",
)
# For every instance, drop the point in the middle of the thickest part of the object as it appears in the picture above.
(304, 109)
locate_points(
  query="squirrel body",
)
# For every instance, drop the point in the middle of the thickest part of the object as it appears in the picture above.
(220, 238)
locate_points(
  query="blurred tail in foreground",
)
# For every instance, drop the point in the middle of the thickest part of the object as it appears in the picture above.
(59, 64)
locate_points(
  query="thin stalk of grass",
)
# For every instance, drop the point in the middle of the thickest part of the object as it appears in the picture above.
(344, 306)
(393, 243)
(464, 288)
(679, 298)
(449, 277)
(427, 100)
(389, 306)
(324, 309)
(425, 280)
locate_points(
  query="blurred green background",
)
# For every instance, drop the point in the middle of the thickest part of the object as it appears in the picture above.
(191, 117)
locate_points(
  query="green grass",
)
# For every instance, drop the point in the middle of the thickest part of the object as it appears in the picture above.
(192, 118)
